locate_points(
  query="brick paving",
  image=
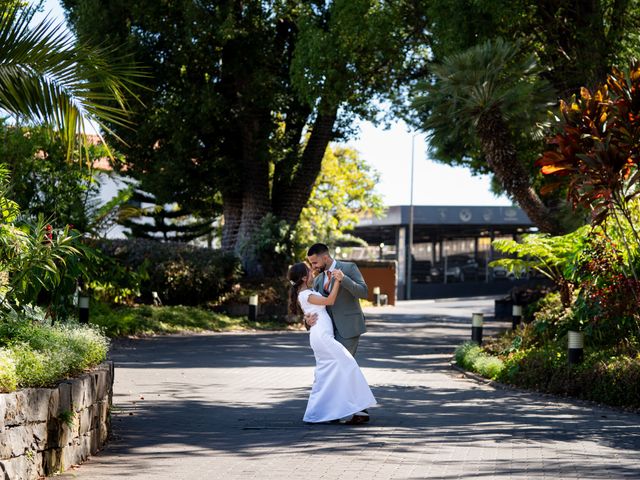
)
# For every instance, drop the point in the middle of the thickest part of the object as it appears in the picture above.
(229, 406)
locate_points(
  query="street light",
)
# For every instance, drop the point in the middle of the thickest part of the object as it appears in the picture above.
(410, 262)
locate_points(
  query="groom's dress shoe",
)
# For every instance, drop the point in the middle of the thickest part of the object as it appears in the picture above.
(354, 420)
(363, 416)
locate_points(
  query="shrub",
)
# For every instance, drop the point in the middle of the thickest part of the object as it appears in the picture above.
(488, 366)
(604, 376)
(181, 274)
(42, 354)
(8, 376)
(472, 357)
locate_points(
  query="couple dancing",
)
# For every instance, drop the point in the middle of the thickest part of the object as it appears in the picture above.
(331, 307)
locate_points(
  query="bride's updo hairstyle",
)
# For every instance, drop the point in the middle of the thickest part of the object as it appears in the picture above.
(296, 275)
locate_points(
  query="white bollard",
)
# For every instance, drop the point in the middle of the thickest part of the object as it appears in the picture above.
(253, 307)
(576, 347)
(516, 316)
(376, 296)
(83, 309)
(476, 327)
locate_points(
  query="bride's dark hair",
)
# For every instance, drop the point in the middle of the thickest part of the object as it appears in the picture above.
(296, 275)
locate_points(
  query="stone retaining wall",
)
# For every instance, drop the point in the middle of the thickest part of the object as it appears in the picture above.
(46, 430)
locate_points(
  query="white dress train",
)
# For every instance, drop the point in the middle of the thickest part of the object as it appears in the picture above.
(339, 388)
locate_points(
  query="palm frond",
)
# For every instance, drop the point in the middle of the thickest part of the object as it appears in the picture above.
(47, 77)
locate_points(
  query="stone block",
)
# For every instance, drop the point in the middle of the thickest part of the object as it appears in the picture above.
(95, 443)
(37, 403)
(3, 408)
(83, 392)
(52, 459)
(69, 456)
(69, 432)
(15, 411)
(88, 419)
(64, 401)
(15, 441)
(54, 403)
(103, 433)
(24, 467)
(103, 383)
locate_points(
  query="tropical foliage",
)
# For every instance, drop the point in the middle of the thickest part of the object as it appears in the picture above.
(46, 76)
(596, 151)
(491, 96)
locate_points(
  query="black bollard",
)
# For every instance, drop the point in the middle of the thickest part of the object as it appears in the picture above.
(476, 327)
(253, 308)
(516, 316)
(576, 347)
(83, 309)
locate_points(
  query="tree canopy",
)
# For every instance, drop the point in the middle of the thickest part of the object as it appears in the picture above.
(246, 96)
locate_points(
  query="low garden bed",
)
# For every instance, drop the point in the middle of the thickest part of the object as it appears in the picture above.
(610, 376)
(37, 354)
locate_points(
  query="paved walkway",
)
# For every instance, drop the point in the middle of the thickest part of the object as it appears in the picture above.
(229, 406)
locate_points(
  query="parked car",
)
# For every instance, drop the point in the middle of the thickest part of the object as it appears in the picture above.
(460, 268)
(420, 271)
(503, 273)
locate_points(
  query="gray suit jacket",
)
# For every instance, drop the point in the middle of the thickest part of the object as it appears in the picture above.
(346, 312)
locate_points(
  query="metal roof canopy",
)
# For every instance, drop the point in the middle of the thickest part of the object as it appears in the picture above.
(435, 223)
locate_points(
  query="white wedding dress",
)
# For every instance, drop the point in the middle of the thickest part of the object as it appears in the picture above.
(339, 388)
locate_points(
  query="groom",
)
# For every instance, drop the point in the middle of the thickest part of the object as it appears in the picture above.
(346, 313)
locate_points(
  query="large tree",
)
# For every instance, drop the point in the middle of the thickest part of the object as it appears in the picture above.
(485, 94)
(246, 95)
(574, 42)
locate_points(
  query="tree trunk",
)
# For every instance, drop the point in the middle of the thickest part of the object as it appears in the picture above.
(501, 157)
(292, 194)
(232, 214)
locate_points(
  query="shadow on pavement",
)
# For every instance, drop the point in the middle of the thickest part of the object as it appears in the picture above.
(407, 415)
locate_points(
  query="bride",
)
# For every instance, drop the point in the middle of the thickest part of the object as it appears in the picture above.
(339, 390)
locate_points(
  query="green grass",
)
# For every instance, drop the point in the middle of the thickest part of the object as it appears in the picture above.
(148, 320)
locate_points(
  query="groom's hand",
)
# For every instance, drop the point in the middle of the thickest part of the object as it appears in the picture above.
(310, 319)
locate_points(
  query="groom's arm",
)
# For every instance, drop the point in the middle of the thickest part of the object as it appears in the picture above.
(354, 283)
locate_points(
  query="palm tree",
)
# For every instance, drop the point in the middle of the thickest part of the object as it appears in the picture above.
(476, 100)
(48, 77)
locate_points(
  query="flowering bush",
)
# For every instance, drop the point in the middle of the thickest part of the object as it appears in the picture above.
(35, 354)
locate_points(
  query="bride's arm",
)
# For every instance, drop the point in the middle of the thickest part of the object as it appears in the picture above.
(330, 300)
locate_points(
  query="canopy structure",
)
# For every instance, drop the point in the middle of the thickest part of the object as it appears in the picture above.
(437, 226)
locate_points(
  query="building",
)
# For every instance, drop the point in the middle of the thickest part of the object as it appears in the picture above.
(451, 247)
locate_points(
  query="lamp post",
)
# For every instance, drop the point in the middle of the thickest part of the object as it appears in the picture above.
(410, 255)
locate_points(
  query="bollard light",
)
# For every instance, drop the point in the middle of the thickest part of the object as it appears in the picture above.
(156, 299)
(376, 296)
(576, 347)
(83, 309)
(253, 307)
(476, 327)
(516, 316)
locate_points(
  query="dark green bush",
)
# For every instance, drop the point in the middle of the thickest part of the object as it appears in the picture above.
(604, 376)
(181, 274)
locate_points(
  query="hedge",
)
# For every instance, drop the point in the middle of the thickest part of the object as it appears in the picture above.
(181, 274)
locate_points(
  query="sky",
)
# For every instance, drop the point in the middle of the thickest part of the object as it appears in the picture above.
(389, 152)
